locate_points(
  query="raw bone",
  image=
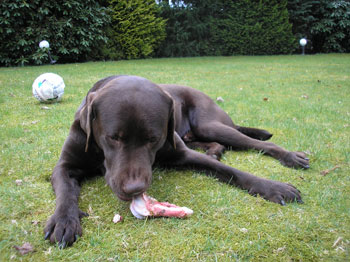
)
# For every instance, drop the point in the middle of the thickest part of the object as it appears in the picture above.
(144, 206)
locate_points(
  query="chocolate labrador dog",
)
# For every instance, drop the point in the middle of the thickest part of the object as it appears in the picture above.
(127, 124)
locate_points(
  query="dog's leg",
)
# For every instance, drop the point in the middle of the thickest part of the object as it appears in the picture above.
(64, 225)
(213, 149)
(274, 191)
(228, 136)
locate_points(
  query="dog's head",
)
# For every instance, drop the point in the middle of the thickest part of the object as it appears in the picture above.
(130, 119)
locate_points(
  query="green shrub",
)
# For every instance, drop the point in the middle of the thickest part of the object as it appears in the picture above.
(331, 31)
(212, 27)
(136, 28)
(187, 32)
(326, 24)
(74, 28)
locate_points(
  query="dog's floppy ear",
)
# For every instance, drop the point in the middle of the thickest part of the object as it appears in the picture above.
(86, 117)
(171, 125)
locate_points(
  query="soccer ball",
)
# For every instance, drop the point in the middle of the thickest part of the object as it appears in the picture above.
(48, 87)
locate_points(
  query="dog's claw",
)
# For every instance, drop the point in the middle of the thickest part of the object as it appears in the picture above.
(47, 235)
(283, 203)
(62, 244)
(83, 214)
(300, 201)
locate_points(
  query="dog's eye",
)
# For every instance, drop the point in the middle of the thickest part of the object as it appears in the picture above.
(114, 137)
(117, 138)
(152, 139)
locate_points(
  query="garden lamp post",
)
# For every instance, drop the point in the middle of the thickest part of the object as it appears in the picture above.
(46, 45)
(303, 43)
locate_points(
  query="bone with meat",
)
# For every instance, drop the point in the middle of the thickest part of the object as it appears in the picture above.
(145, 206)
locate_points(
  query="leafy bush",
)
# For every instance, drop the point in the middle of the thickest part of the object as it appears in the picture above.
(326, 24)
(186, 32)
(74, 28)
(254, 28)
(136, 28)
(331, 31)
(222, 27)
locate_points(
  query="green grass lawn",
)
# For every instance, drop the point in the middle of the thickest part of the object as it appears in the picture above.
(303, 100)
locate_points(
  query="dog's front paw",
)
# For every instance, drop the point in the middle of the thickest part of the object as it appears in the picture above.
(64, 228)
(274, 191)
(295, 160)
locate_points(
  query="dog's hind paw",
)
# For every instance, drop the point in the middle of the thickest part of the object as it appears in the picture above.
(295, 160)
(275, 191)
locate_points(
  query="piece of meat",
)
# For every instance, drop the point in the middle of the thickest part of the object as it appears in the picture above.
(145, 206)
(117, 218)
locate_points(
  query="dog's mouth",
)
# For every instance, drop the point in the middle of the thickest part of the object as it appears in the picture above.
(124, 197)
(127, 198)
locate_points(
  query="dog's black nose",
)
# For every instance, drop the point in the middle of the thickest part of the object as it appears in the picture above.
(135, 188)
